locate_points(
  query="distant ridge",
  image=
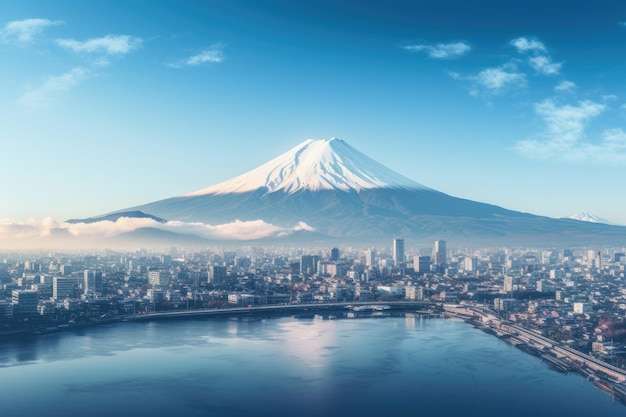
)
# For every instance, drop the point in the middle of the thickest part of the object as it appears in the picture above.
(113, 217)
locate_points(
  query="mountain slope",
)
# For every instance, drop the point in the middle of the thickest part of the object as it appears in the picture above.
(326, 164)
(341, 193)
(116, 216)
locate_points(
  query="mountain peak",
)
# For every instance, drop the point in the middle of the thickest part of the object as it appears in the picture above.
(589, 217)
(315, 164)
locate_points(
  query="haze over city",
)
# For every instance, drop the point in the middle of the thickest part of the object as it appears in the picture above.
(115, 104)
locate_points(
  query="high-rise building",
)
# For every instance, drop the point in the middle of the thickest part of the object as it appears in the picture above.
(92, 284)
(398, 252)
(217, 274)
(370, 257)
(334, 254)
(421, 264)
(25, 302)
(508, 283)
(63, 288)
(308, 264)
(594, 259)
(469, 264)
(439, 253)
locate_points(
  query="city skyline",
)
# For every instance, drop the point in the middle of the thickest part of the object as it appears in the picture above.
(117, 104)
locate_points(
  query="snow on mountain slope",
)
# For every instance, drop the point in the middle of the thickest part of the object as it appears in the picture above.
(315, 164)
(588, 217)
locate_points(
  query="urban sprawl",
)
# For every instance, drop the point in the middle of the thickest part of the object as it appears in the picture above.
(565, 305)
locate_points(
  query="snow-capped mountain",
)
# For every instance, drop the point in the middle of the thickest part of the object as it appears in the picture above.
(323, 164)
(588, 217)
(328, 190)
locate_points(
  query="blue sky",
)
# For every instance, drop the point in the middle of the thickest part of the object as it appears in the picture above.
(110, 104)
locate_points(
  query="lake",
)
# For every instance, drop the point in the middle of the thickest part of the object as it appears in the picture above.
(288, 366)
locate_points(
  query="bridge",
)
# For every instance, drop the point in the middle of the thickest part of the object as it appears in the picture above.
(424, 306)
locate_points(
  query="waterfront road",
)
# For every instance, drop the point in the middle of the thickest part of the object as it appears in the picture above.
(423, 306)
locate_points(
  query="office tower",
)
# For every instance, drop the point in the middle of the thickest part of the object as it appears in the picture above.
(63, 288)
(469, 264)
(439, 253)
(334, 254)
(308, 264)
(421, 264)
(370, 257)
(217, 274)
(305, 264)
(92, 283)
(25, 302)
(398, 252)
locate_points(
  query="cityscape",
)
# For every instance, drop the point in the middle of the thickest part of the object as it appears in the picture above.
(573, 298)
(279, 208)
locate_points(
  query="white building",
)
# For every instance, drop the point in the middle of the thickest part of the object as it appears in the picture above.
(158, 278)
(582, 308)
(439, 252)
(469, 264)
(398, 252)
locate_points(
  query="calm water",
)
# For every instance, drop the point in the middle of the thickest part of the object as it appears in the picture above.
(286, 367)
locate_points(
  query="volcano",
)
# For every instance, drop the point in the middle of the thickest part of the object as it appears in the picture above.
(327, 187)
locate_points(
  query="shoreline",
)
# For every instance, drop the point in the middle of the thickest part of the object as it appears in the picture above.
(278, 310)
(604, 376)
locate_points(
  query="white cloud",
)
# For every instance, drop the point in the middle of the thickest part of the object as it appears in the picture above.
(24, 31)
(108, 228)
(544, 65)
(493, 81)
(609, 97)
(565, 86)
(566, 123)
(614, 140)
(442, 50)
(108, 45)
(214, 54)
(39, 97)
(237, 230)
(499, 79)
(539, 61)
(27, 229)
(524, 45)
(564, 137)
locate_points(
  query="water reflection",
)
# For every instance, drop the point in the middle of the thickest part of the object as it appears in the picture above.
(281, 367)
